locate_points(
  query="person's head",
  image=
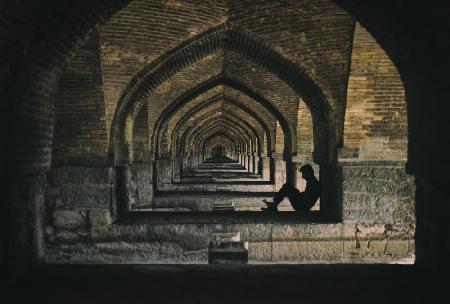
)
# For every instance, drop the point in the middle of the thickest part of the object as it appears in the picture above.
(307, 172)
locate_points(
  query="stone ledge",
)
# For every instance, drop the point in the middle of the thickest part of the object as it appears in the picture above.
(241, 217)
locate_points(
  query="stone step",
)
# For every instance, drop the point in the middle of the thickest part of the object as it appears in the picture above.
(226, 236)
(223, 206)
(228, 252)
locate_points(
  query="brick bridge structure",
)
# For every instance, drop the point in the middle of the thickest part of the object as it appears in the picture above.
(141, 132)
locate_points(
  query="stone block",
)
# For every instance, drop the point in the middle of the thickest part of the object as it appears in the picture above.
(364, 230)
(369, 186)
(188, 236)
(368, 215)
(377, 251)
(255, 232)
(138, 252)
(259, 252)
(306, 232)
(69, 218)
(103, 233)
(142, 178)
(400, 249)
(230, 236)
(307, 251)
(89, 196)
(402, 230)
(359, 200)
(67, 236)
(65, 175)
(98, 217)
(227, 252)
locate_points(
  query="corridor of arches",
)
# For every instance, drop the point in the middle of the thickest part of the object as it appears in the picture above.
(155, 129)
(156, 122)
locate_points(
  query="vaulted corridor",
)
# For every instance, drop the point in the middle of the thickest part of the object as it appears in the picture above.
(143, 132)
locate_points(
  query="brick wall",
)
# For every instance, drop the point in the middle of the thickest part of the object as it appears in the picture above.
(145, 30)
(200, 104)
(375, 119)
(315, 34)
(141, 139)
(179, 83)
(80, 129)
(305, 143)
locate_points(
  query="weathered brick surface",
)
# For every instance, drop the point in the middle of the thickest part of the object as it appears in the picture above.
(181, 82)
(40, 37)
(141, 136)
(145, 30)
(305, 142)
(218, 102)
(375, 119)
(80, 129)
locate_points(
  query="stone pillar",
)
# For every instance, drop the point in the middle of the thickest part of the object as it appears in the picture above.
(291, 175)
(191, 161)
(258, 167)
(142, 182)
(23, 210)
(176, 165)
(123, 154)
(432, 226)
(195, 161)
(331, 199)
(265, 168)
(123, 184)
(250, 163)
(163, 173)
(280, 170)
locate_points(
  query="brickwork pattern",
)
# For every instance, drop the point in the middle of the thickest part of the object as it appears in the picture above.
(39, 63)
(141, 136)
(80, 129)
(375, 119)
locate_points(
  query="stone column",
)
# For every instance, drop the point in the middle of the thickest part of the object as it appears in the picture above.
(123, 155)
(250, 163)
(265, 168)
(163, 173)
(23, 209)
(280, 170)
(176, 165)
(257, 165)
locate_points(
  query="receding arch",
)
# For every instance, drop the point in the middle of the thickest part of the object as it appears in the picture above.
(210, 117)
(221, 124)
(214, 104)
(237, 41)
(225, 99)
(225, 81)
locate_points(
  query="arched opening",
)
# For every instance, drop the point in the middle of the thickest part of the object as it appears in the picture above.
(344, 151)
(223, 105)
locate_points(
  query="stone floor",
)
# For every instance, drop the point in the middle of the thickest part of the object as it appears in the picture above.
(220, 170)
(227, 284)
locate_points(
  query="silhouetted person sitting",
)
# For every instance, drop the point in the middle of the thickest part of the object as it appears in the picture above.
(300, 201)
